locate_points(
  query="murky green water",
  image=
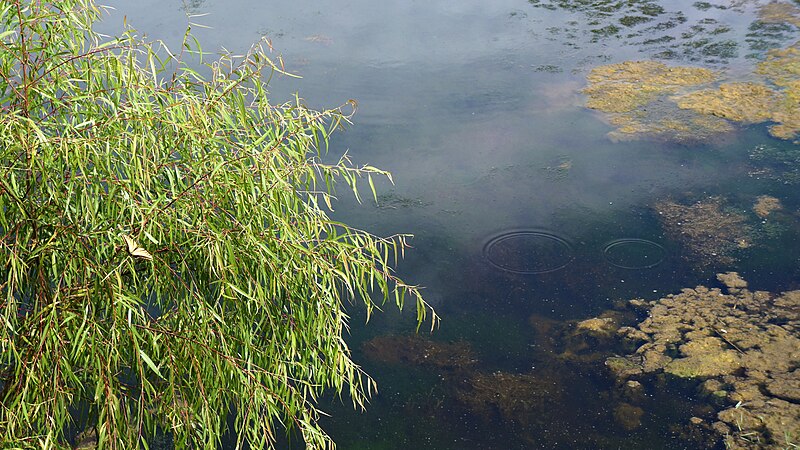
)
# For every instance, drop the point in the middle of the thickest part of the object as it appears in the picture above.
(526, 214)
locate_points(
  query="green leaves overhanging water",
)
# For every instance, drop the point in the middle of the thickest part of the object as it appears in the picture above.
(166, 252)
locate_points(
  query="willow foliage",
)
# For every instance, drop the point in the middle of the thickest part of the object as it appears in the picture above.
(166, 261)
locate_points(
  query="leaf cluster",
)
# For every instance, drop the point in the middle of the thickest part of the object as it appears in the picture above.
(167, 265)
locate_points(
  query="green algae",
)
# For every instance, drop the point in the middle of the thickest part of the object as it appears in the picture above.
(628, 416)
(632, 21)
(779, 12)
(641, 97)
(745, 345)
(776, 98)
(739, 102)
(625, 86)
(757, 102)
(780, 163)
(704, 357)
(710, 232)
(522, 399)
(635, 95)
(647, 25)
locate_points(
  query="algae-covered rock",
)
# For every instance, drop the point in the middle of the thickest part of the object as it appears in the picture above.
(598, 326)
(732, 281)
(744, 346)
(625, 366)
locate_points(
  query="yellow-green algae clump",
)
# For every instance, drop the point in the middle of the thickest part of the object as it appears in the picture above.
(745, 345)
(629, 85)
(636, 94)
(782, 68)
(754, 102)
(779, 12)
(775, 98)
(648, 98)
(740, 102)
(765, 205)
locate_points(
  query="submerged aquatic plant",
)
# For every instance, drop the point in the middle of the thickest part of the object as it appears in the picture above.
(743, 349)
(778, 162)
(167, 264)
(765, 205)
(710, 232)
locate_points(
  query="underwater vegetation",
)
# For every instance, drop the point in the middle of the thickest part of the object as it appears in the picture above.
(418, 351)
(710, 232)
(558, 169)
(765, 205)
(743, 349)
(517, 399)
(393, 200)
(526, 402)
(666, 34)
(520, 399)
(780, 163)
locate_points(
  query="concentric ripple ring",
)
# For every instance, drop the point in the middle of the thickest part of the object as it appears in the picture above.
(634, 253)
(528, 252)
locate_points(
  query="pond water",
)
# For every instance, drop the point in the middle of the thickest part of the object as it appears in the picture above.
(530, 211)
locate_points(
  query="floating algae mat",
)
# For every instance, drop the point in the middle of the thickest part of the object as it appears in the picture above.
(776, 99)
(741, 347)
(649, 98)
(636, 96)
(641, 98)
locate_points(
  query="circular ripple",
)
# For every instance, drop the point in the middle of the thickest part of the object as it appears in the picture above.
(528, 252)
(634, 253)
